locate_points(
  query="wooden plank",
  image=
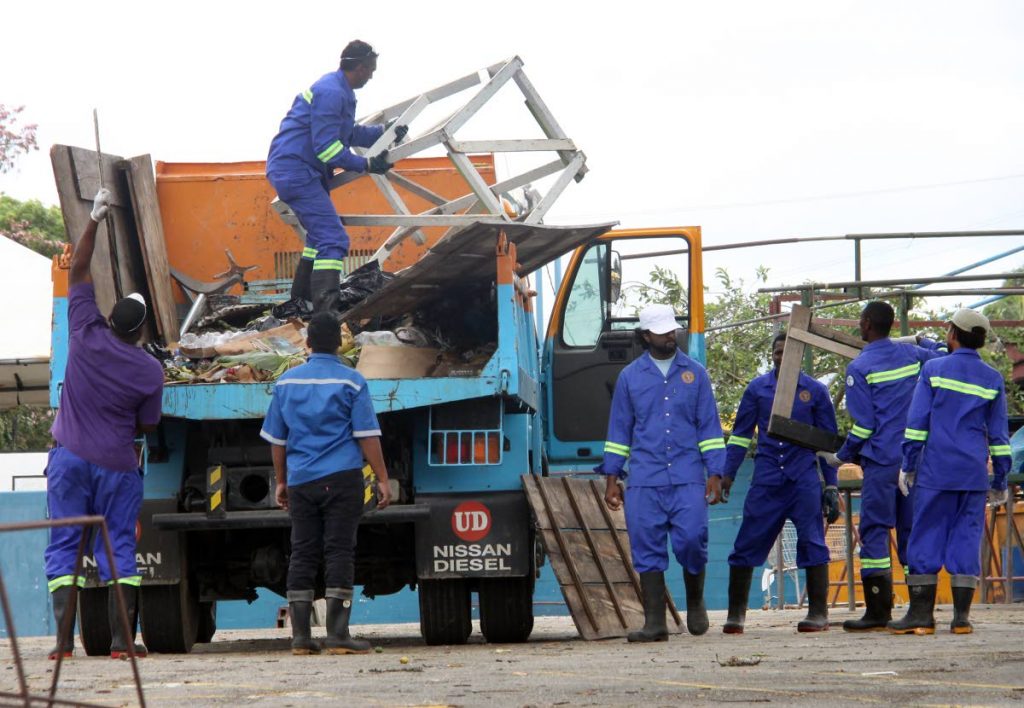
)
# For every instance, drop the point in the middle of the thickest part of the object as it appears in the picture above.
(820, 342)
(792, 359)
(142, 187)
(835, 335)
(804, 435)
(87, 180)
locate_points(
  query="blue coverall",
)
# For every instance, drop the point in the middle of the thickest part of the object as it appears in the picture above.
(957, 420)
(786, 482)
(879, 386)
(667, 427)
(315, 138)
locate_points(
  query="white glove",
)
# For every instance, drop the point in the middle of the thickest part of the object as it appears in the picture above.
(829, 458)
(100, 205)
(998, 498)
(906, 482)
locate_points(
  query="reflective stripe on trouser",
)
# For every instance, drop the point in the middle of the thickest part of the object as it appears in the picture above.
(75, 487)
(882, 507)
(947, 532)
(765, 512)
(63, 581)
(311, 202)
(655, 514)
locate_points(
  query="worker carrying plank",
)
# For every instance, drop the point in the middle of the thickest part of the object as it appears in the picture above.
(879, 385)
(957, 420)
(786, 485)
(664, 421)
(112, 391)
(315, 138)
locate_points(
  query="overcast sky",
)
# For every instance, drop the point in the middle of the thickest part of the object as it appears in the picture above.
(751, 119)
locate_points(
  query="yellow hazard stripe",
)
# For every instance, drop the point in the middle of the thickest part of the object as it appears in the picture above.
(215, 499)
(963, 387)
(912, 434)
(711, 444)
(737, 440)
(894, 374)
(332, 150)
(616, 449)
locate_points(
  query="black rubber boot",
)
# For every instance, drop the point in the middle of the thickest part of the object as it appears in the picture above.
(301, 303)
(963, 595)
(325, 286)
(61, 598)
(118, 642)
(652, 585)
(877, 605)
(920, 617)
(339, 610)
(739, 591)
(696, 612)
(816, 579)
(300, 610)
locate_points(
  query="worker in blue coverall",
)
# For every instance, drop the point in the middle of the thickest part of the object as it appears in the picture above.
(315, 138)
(879, 385)
(664, 421)
(957, 421)
(786, 485)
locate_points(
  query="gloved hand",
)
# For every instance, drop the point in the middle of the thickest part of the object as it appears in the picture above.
(830, 503)
(908, 339)
(400, 130)
(906, 482)
(100, 205)
(829, 458)
(378, 164)
(998, 497)
(726, 486)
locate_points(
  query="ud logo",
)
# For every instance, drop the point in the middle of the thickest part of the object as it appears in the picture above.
(471, 521)
(688, 377)
(805, 396)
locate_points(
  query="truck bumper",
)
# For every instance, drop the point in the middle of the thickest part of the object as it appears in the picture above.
(278, 518)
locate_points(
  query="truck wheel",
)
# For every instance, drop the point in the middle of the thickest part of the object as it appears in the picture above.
(444, 611)
(207, 622)
(506, 609)
(93, 625)
(170, 617)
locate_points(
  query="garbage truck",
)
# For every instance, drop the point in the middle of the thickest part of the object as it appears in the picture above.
(484, 398)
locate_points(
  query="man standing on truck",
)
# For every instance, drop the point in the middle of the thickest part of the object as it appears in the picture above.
(315, 138)
(879, 385)
(786, 485)
(957, 421)
(321, 426)
(664, 421)
(112, 392)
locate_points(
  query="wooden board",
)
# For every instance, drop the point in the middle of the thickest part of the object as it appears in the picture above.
(588, 548)
(76, 174)
(150, 228)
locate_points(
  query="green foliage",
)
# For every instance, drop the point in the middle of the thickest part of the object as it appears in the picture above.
(33, 225)
(25, 429)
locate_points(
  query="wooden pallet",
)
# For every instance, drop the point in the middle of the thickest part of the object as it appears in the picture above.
(588, 548)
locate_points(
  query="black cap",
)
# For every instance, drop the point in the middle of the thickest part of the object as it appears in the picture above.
(128, 314)
(358, 49)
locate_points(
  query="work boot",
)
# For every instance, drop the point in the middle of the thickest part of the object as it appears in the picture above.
(963, 595)
(339, 610)
(325, 286)
(652, 585)
(61, 598)
(696, 612)
(877, 605)
(816, 581)
(301, 303)
(118, 642)
(739, 592)
(300, 607)
(920, 616)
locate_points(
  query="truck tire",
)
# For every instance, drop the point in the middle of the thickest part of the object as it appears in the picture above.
(207, 624)
(444, 611)
(93, 625)
(170, 617)
(506, 609)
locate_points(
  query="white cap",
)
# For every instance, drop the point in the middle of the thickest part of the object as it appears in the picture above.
(659, 319)
(967, 319)
(138, 298)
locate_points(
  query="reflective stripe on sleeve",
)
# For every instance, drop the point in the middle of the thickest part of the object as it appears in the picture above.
(711, 444)
(989, 394)
(894, 374)
(616, 449)
(862, 433)
(307, 95)
(737, 440)
(995, 450)
(918, 435)
(332, 150)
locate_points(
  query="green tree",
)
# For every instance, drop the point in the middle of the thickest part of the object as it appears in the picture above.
(26, 429)
(33, 225)
(1008, 347)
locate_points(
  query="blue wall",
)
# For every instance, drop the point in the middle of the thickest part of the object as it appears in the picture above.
(21, 561)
